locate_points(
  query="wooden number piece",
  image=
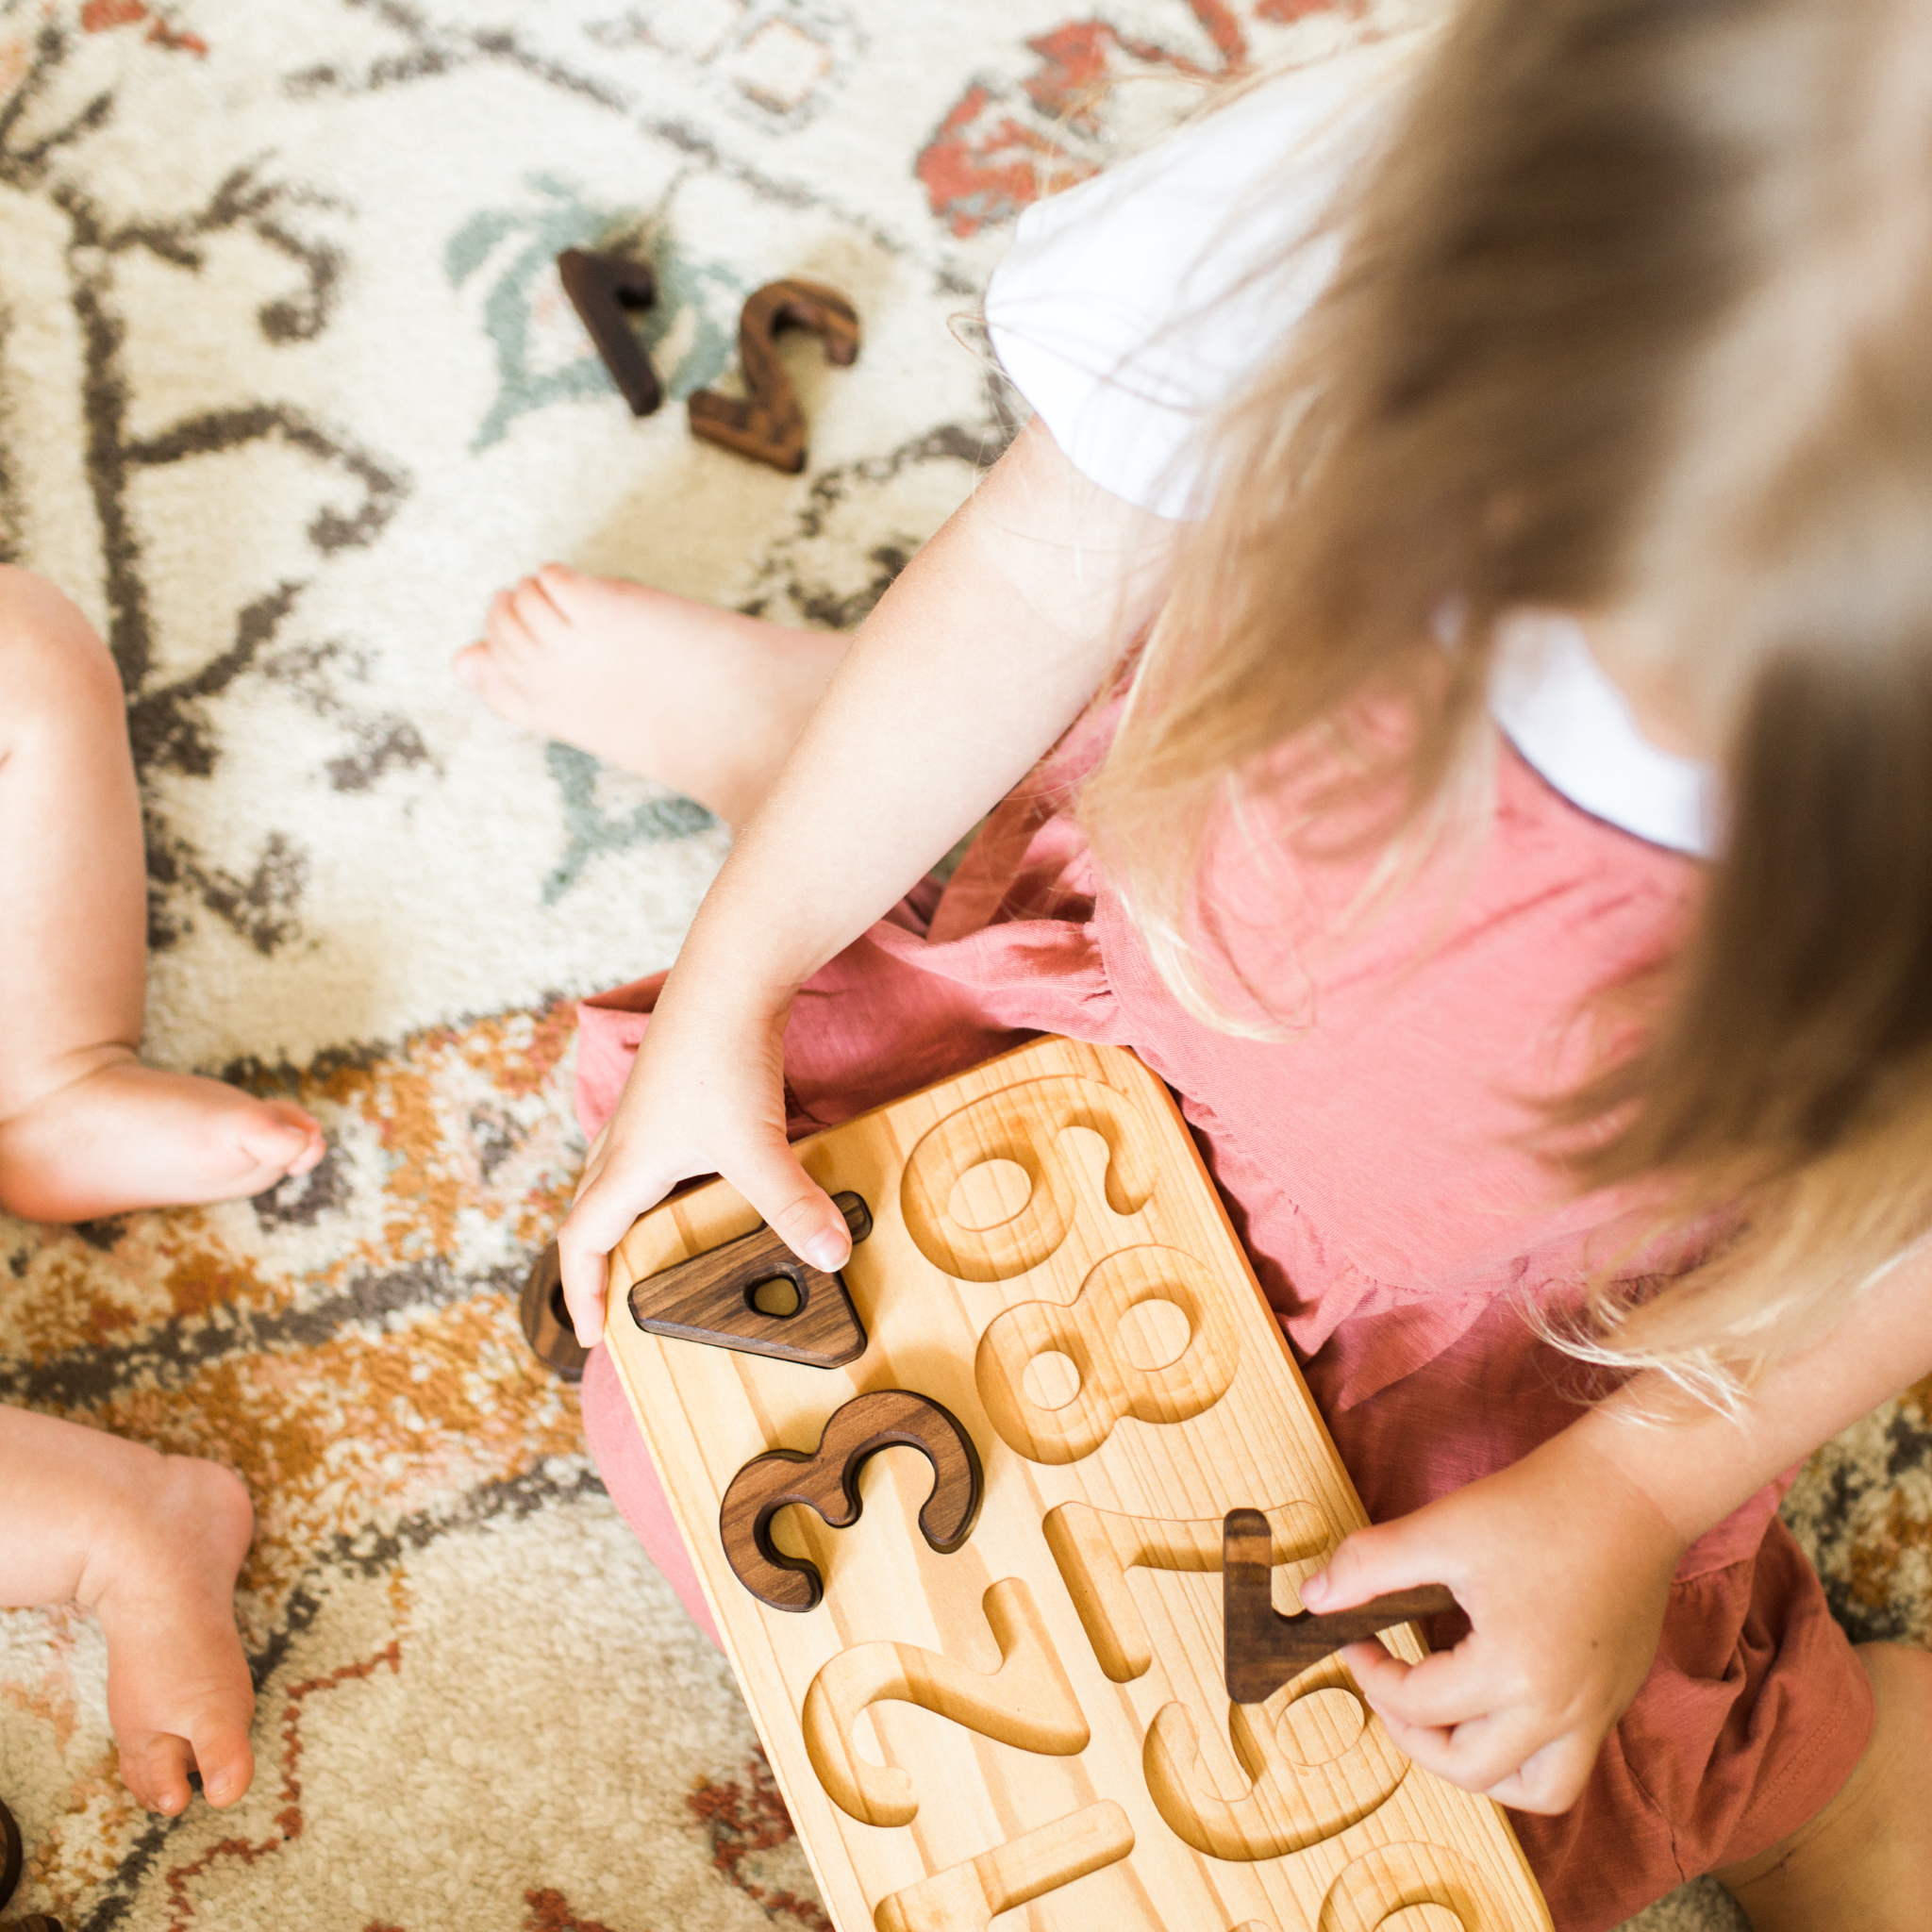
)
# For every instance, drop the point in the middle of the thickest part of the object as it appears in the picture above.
(755, 1295)
(969, 1897)
(546, 1319)
(826, 1480)
(767, 424)
(1262, 1648)
(1028, 1703)
(601, 288)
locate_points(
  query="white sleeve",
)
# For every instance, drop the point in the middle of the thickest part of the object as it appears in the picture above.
(1131, 308)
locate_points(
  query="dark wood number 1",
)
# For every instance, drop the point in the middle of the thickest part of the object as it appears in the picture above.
(767, 424)
(601, 289)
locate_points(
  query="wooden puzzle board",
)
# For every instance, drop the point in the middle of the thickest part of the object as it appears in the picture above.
(1046, 1208)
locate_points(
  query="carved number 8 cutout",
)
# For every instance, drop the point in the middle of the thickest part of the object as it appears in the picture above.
(1086, 1331)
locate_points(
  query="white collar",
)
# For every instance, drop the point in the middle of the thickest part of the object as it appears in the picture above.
(1576, 729)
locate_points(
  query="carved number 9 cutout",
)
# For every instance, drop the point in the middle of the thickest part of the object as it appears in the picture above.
(767, 424)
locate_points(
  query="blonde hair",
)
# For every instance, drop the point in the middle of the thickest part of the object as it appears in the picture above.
(1631, 315)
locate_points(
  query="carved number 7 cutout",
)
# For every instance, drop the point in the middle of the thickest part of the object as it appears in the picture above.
(767, 424)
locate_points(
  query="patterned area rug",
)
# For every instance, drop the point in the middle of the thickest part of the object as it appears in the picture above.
(287, 386)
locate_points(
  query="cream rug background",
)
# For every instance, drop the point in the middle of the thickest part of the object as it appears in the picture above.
(287, 384)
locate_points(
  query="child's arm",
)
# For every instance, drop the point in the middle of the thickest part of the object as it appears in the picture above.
(975, 660)
(1563, 1561)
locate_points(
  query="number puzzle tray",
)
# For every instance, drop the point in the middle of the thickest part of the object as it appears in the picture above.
(1031, 1718)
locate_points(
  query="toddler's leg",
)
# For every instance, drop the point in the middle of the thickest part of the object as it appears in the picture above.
(704, 700)
(151, 1544)
(1864, 1864)
(85, 1128)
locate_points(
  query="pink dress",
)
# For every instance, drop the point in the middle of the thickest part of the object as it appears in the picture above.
(1374, 1168)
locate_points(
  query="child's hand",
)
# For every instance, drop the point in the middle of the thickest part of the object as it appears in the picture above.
(706, 1095)
(1563, 1565)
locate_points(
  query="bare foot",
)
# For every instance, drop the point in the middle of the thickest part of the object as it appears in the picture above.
(120, 1135)
(704, 700)
(160, 1577)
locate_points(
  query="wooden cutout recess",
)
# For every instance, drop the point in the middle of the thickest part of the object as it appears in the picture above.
(826, 1480)
(710, 1299)
(1028, 1702)
(767, 425)
(1022, 1126)
(1291, 1802)
(1012, 1187)
(1111, 1386)
(1395, 1878)
(601, 289)
(1093, 1550)
(1264, 1648)
(969, 1897)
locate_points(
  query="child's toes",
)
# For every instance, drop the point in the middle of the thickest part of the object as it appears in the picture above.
(270, 1141)
(532, 609)
(507, 647)
(308, 1144)
(494, 670)
(226, 1762)
(472, 665)
(154, 1766)
(279, 1135)
(559, 587)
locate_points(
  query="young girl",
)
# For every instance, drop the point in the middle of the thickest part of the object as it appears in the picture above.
(150, 1544)
(1512, 456)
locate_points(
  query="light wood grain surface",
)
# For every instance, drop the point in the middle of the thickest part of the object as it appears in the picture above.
(1036, 1724)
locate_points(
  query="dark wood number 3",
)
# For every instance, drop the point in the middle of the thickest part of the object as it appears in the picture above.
(767, 424)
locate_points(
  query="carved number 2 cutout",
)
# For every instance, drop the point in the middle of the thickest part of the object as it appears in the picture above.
(1029, 1701)
(767, 424)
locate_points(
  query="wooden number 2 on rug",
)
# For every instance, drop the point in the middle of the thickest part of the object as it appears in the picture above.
(767, 424)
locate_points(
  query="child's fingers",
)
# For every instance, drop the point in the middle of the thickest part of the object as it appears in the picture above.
(795, 1208)
(583, 1292)
(1367, 1563)
(1420, 1743)
(593, 1162)
(1550, 1780)
(1477, 1755)
(1443, 1691)
(599, 1218)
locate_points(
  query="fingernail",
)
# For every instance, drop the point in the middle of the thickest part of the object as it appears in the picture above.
(826, 1252)
(1314, 1590)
